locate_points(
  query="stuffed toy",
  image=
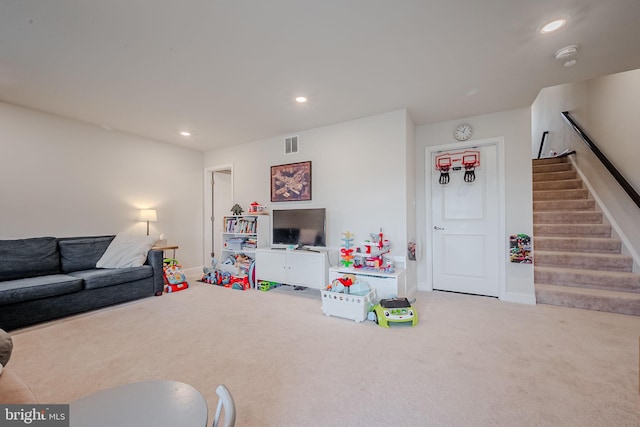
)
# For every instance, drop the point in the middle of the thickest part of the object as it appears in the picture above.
(6, 346)
(236, 209)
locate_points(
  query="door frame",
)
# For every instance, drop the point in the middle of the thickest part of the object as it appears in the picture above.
(428, 171)
(208, 208)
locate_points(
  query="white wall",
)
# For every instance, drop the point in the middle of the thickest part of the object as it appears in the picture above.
(358, 175)
(515, 127)
(546, 116)
(613, 112)
(66, 178)
(607, 109)
(410, 176)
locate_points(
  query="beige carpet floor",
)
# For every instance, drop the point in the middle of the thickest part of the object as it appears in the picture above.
(471, 361)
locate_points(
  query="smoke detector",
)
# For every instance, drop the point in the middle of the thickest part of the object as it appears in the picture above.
(567, 54)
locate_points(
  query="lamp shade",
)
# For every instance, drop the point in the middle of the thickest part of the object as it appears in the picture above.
(148, 215)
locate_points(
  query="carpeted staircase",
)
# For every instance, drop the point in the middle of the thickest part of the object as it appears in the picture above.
(576, 262)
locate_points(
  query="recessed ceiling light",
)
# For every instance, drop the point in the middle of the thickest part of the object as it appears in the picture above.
(185, 133)
(301, 99)
(553, 26)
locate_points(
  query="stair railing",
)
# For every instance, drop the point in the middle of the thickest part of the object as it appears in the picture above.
(544, 137)
(605, 161)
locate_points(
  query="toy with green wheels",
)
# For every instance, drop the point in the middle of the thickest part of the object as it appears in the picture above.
(394, 311)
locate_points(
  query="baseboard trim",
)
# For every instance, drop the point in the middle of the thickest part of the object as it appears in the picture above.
(193, 272)
(519, 298)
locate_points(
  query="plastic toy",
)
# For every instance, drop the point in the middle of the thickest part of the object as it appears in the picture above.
(346, 253)
(173, 274)
(394, 310)
(342, 284)
(468, 160)
(377, 245)
(265, 286)
(256, 207)
(238, 282)
(175, 288)
(236, 209)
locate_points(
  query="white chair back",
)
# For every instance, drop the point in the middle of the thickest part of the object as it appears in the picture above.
(225, 401)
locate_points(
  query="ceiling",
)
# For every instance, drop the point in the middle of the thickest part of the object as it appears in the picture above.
(228, 70)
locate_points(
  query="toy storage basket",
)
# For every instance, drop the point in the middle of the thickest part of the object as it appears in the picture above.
(354, 307)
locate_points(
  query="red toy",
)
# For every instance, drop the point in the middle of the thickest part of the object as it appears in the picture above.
(175, 288)
(241, 283)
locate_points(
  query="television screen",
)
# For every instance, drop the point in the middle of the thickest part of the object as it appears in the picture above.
(304, 227)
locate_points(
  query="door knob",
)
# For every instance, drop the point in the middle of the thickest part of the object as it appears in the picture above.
(435, 227)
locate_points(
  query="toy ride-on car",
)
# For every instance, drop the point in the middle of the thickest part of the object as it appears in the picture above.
(394, 310)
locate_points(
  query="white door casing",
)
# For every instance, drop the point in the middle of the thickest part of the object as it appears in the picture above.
(466, 226)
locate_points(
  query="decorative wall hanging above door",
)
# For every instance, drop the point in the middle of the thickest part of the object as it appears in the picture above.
(468, 160)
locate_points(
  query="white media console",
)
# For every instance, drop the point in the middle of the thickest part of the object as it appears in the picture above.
(309, 268)
(316, 269)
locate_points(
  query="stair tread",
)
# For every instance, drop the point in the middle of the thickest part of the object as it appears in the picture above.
(567, 217)
(569, 213)
(579, 238)
(591, 291)
(598, 273)
(585, 254)
(549, 160)
(564, 190)
(572, 230)
(577, 244)
(568, 174)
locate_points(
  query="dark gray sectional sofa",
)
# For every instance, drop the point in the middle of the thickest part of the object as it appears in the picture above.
(45, 278)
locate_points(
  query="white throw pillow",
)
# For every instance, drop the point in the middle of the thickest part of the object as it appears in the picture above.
(126, 250)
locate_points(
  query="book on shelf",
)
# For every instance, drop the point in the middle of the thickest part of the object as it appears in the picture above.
(247, 225)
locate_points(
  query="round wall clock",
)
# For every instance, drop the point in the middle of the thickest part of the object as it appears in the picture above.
(463, 132)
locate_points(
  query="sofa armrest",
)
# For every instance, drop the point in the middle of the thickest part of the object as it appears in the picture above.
(154, 259)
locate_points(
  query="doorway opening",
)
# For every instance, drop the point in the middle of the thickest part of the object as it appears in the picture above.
(218, 199)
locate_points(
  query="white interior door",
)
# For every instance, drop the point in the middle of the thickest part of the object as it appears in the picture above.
(465, 228)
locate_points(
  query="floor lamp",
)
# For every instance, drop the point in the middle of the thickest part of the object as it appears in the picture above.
(148, 215)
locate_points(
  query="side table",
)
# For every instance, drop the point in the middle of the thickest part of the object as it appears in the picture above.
(167, 248)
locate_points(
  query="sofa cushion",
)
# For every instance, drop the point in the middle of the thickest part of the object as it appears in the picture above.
(28, 258)
(82, 253)
(38, 287)
(104, 277)
(126, 250)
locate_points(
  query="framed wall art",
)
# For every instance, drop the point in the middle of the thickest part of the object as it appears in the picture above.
(291, 182)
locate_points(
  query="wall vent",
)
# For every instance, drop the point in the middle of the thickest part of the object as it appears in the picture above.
(291, 145)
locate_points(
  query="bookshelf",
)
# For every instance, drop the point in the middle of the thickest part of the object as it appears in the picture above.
(244, 234)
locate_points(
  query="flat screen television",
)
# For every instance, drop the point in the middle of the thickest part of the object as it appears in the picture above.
(300, 227)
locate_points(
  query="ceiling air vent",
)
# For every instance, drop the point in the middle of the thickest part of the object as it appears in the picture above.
(291, 145)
